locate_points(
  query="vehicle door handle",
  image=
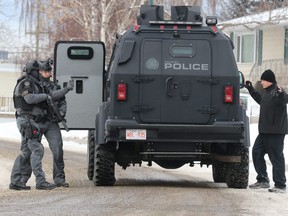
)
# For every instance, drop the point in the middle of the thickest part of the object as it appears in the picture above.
(168, 89)
(79, 83)
(170, 86)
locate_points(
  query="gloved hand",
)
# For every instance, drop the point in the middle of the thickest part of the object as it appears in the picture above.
(70, 85)
(277, 91)
(49, 99)
(62, 114)
(248, 85)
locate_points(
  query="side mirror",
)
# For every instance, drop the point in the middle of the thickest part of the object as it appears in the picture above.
(241, 80)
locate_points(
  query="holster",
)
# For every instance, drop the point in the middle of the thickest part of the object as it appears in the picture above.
(30, 130)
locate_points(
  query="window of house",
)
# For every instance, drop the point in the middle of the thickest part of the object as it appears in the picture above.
(286, 47)
(245, 48)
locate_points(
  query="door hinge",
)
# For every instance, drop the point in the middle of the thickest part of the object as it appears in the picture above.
(142, 78)
(208, 110)
(208, 81)
(141, 108)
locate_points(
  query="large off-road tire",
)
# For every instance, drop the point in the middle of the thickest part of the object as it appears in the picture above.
(219, 170)
(104, 166)
(90, 154)
(238, 173)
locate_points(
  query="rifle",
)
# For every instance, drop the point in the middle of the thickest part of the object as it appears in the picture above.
(58, 116)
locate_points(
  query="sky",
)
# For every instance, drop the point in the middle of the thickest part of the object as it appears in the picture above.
(9, 23)
(9, 13)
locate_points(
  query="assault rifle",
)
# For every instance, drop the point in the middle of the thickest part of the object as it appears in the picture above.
(57, 114)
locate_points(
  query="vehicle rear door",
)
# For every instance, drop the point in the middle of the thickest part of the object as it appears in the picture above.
(179, 87)
(84, 63)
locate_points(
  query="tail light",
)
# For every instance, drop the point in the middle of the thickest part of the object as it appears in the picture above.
(136, 28)
(228, 91)
(122, 92)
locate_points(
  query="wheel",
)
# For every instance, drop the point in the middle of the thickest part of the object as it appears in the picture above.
(104, 166)
(238, 173)
(90, 154)
(219, 170)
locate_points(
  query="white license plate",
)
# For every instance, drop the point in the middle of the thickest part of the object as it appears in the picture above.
(135, 134)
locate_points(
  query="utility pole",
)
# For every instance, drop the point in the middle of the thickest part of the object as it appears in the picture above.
(37, 31)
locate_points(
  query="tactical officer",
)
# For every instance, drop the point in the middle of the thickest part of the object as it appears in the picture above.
(52, 131)
(30, 102)
(49, 127)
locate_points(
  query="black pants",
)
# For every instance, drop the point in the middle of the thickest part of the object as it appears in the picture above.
(271, 144)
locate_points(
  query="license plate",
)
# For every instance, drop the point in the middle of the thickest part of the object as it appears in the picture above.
(135, 134)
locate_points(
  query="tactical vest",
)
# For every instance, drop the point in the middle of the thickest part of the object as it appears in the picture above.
(19, 101)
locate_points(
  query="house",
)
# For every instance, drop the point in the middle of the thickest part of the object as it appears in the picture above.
(261, 43)
(9, 73)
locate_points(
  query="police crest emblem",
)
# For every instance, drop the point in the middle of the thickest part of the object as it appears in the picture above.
(27, 84)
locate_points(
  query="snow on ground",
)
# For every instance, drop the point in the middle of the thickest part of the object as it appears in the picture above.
(76, 140)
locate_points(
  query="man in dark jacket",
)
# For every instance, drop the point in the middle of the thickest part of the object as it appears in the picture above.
(272, 128)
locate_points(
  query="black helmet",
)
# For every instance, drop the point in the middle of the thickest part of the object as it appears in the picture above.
(32, 68)
(32, 65)
(46, 65)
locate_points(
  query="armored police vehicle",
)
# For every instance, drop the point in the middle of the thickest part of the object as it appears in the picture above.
(170, 96)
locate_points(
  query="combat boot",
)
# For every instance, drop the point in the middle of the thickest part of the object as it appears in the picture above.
(277, 190)
(19, 186)
(45, 186)
(259, 185)
(62, 184)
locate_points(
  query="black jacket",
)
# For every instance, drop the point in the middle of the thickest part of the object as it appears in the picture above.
(273, 111)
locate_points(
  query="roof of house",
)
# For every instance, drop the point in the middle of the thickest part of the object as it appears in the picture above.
(273, 17)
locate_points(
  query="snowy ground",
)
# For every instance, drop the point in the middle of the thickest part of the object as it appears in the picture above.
(77, 140)
(72, 140)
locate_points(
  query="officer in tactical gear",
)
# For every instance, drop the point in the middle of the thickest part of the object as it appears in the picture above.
(49, 127)
(30, 102)
(52, 130)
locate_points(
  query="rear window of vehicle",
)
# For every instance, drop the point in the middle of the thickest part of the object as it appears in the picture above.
(80, 52)
(182, 51)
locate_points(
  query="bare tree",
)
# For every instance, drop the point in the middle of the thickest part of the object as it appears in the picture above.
(238, 8)
(91, 20)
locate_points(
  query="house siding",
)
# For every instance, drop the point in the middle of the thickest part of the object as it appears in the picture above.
(272, 49)
(9, 73)
(272, 52)
(7, 83)
(273, 43)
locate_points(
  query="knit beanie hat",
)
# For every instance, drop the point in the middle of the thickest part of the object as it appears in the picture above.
(269, 76)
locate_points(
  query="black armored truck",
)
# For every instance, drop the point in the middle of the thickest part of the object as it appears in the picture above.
(170, 96)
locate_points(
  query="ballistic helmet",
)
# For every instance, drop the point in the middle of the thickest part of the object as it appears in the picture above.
(32, 65)
(32, 68)
(46, 65)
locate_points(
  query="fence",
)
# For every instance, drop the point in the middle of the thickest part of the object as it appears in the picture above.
(6, 104)
(277, 66)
